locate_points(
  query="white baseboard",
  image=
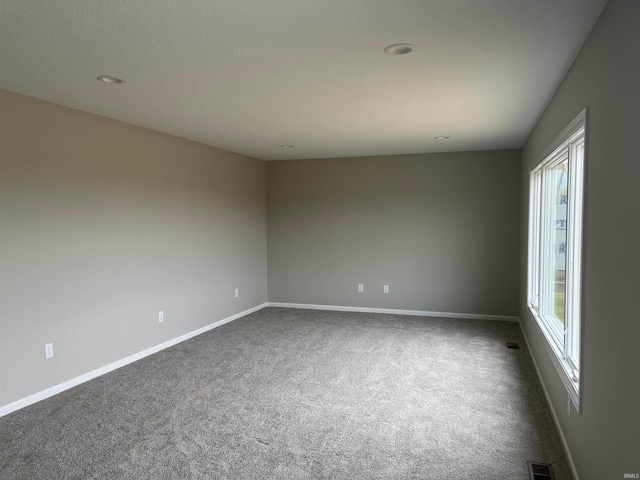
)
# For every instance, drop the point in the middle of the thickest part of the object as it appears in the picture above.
(563, 440)
(418, 313)
(49, 392)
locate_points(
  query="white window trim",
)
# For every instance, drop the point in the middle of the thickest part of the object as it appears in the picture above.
(562, 346)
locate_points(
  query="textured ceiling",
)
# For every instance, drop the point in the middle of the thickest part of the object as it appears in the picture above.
(250, 75)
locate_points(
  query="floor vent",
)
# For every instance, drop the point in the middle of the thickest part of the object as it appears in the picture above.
(513, 345)
(540, 471)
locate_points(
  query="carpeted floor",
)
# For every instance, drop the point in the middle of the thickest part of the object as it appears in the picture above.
(300, 394)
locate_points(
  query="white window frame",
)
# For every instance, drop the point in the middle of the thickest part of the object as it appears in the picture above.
(564, 340)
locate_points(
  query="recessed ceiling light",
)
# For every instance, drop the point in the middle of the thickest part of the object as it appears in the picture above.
(442, 137)
(399, 49)
(110, 79)
(286, 146)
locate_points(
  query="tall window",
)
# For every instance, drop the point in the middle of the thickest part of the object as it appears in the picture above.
(555, 251)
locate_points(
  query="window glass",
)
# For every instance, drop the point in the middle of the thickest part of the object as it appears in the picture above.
(559, 178)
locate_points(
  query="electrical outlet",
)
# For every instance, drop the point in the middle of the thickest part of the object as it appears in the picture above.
(385, 289)
(161, 317)
(237, 292)
(360, 287)
(48, 350)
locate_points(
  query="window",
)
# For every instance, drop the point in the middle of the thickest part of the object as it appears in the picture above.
(555, 251)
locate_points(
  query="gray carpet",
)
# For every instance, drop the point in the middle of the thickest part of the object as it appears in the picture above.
(300, 394)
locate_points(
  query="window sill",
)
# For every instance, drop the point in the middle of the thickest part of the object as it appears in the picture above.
(564, 369)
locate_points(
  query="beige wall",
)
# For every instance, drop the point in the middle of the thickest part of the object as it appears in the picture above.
(440, 229)
(604, 440)
(104, 224)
